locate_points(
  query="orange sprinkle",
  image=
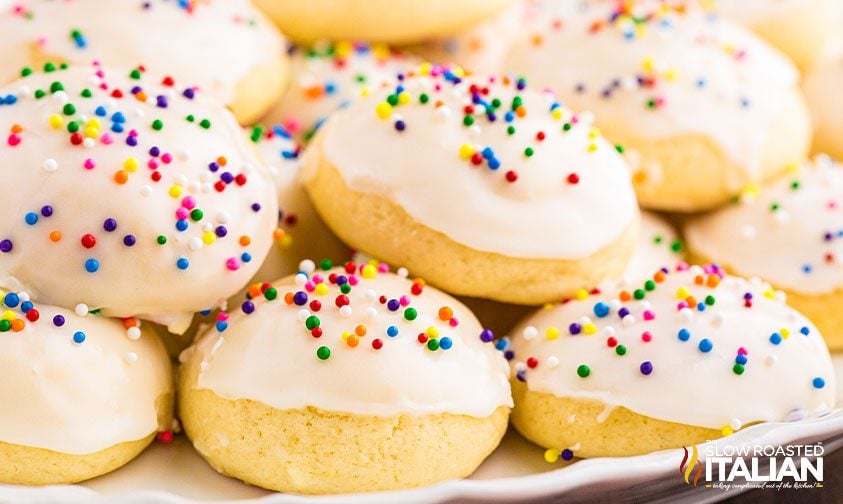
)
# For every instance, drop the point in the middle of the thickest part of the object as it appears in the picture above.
(537, 40)
(712, 281)
(698, 279)
(130, 322)
(245, 241)
(55, 236)
(352, 340)
(625, 296)
(419, 281)
(659, 277)
(18, 325)
(288, 298)
(16, 128)
(254, 290)
(446, 313)
(121, 176)
(692, 301)
(222, 161)
(521, 111)
(360, 330)
(140, 96)
(278, 234)
(313, 92)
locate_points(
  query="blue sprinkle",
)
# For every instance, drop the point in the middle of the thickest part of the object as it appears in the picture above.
(11, 300)
(805, 331)
(31, 218)
(392, 331)
(601, 309)
(92, 265)
(818, 383)
(705, 345)
(222, 325)
(182, 263)
(775, 338)
(446, 343)
(181, 224)
(100, 111)
(684, 334)
(26, 306)
(78, 337)
(246, 257)
(740, 359)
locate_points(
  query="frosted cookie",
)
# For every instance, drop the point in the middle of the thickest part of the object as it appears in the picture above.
(328, 77)
(482, 186)
(226, 48)
(82, 395)
(345, 380)
(658, 246)
(391, 21)
(704, 106)
(789, 233)
(822, 85)
(799, 28)
(130, 197)
(685, 357)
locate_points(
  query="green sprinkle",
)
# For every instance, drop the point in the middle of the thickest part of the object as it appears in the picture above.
(583, 371)
(5, 325)
(190, 118)
(205, 123)
(738, 369)
(196, 214)
(709, 300)
(323, 352)
(25, 72)
(619, 148)
(56, 87)
(528, 152)
(392, 99)
(158, 125)
(345, 288)
(496, 103)
(638, 294)
(40, 93)
(676, 246)
(69, 109)
(49, 67)
(566, 127)
(423, 98)
(135, 74)
(270, 294)
(161, 239)
(256, 134)
(620, 350)
(433, 345)
(650, 285)
(410, 314)
(312, 322)
(326, 264)
(468, 120)
(510, 130)
(72, 127)
(86, 93)
(795, 185)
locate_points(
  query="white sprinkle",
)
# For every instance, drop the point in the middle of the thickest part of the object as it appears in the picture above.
(608, 331)
(133, 333)
(51, 165)
(686, 315)
(402, 272)
(717, 319)
(628, 321)
(181, 180)
(224, 217)
(552, 361)
(60, 97)
(146, 190)
(443, 112)
(371, 295)
(371, 312)
(194, 187)
(23, 296)
(585, 320)
(307, 266)
(345, 311)
(782, 217)
(303, 314)
(614, 305)
(520, 367)
(530, 333)
(131, 357)
(88, 143)
(771, 360)
(736, 424)
(81, 309)
(300, 279)
(207, 187)
(749, 232)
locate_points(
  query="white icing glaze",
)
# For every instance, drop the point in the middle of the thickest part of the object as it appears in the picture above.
(403, 377)
(215, 44)
(143, 279)
(79, 398)
(328, 77)
(422, 170)
(656, 239)
(792, 238)
(710, 76)
(686, 385)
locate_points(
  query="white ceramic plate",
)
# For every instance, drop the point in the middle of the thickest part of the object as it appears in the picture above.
(517, 471)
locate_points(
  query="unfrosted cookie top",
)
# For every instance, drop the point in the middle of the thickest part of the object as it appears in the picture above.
(130, 195)
(214, 43)
(657, 69)
(327, 77)
(690, 345)
(789, 232)
(74, 383)
(487, 161)
(355, 339)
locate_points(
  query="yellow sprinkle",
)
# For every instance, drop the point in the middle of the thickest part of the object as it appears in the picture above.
(424, 68)
(92, 132)
(345, 335)
(321, 289)
(551, 455)
(648, 64)
(93, 123)
(343, 48)
(592, 147)
(794, 168)
(769, 294)
(785, 332)
(369, 271)
(581, 294)
(551, 333)
(594, 133)
(670, 75)
(432, 331)
(208, 238)
(383, 110)
(9, 315)
(556, 114)
(175, 191)
(466, 151)
(727, 431)
(56, 121)
(547, 306)
(380, 51)
(682, 293)
(589, 328)
(365, 91)
(403, 98)
(131, 165)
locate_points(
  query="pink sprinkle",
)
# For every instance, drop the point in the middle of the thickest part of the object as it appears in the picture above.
(742, 351)
(167, 158)
(14, 140)
(682, 305)
(646, 337)
(309, 286)
(89, 164)
(107, 139)
(404, 300)
(383, 268)
(353, 280)
(232, 264)
(649, 315)
(222, 316)
(189, 202)
(318, 279)
(182, 213)
(454, 322)
(152, 164)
